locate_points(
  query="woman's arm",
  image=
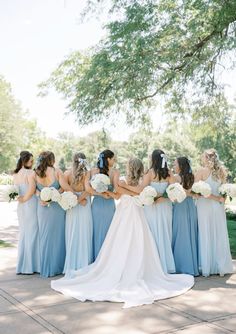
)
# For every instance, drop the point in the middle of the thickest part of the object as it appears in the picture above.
(63, 182)
(136, 189)
(31, 189)
(219, 199)
(114, 194)
(121, 190)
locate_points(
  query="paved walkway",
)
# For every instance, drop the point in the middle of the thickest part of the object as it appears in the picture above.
(29, 305)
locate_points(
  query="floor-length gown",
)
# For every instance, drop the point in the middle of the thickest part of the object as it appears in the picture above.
(159, 218)
(214, 250)
(102, 212)
(51, 220)
(28, 260)
(79, 233)
(185, 237)
(128, 267)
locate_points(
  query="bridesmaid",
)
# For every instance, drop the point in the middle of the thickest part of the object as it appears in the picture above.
(159, 215)
(79, 224)
(28, 246)
(103, 205)
(185, 226)
(214, 250)
(51, 218)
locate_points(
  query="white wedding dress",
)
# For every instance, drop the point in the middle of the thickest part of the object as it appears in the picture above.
(128, 267)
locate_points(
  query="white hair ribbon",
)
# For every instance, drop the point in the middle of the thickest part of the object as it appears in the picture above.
(164, 160)
(82, 161)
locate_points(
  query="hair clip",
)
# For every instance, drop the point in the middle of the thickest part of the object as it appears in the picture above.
(164, 160)
(100, 158)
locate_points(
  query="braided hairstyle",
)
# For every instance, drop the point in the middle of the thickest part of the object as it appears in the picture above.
(102, 163)
(186, 174)
(79, 167)
(22, 161)
(44, 160)
(135, 171)
(157, 165)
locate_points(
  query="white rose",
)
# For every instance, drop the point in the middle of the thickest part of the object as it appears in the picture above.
(55, 195)
(46, 194)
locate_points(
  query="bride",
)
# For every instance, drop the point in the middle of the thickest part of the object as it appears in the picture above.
(128, 267)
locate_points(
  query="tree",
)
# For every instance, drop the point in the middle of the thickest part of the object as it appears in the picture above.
(11, 132)
(62, 164)
(152, 48)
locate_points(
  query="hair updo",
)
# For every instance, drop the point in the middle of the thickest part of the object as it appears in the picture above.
(22, 161)
(44, 160)
(79, 167)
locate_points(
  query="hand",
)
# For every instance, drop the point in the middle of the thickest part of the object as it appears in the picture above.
(83, 202)
(20, 199)
(222, 199)
(196, 196)
(105, 195)
(160, 200)
(44, 203)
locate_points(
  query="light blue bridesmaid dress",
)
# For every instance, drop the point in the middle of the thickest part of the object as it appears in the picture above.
(159, 218)
(102, 211)
(214, 250)
(79, 234)
(185, 237)
(51, 236)
(28, 260)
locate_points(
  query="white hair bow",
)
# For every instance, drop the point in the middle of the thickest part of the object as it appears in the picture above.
(164, 160)
(82, 161)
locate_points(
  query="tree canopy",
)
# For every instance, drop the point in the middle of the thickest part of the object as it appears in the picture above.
(152, 48)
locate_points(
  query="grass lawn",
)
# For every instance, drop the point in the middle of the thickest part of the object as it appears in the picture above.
(231, 221)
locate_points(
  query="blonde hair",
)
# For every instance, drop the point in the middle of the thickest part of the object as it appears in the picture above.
(219, 172)
(135, 171)
(79, 167)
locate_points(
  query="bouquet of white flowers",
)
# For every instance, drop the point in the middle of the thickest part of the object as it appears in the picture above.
(100, 182)
(228, 189)
(146, 197)
(10, 193)
(49, 194)
(201, 188)
(68, 200)
(176, 192)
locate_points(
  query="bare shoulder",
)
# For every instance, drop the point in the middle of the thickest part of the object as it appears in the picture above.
(177, 178)
(68, 172)
(150, 174)
(115, 171)
(94, 171)
(202, 171)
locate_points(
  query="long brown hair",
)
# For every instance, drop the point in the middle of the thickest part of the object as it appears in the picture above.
(186, 174)
(44, 160)
(102, 163)
(159, 165)
(22, 161)
(79, 167)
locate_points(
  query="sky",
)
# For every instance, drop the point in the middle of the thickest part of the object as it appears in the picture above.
(35, 36)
